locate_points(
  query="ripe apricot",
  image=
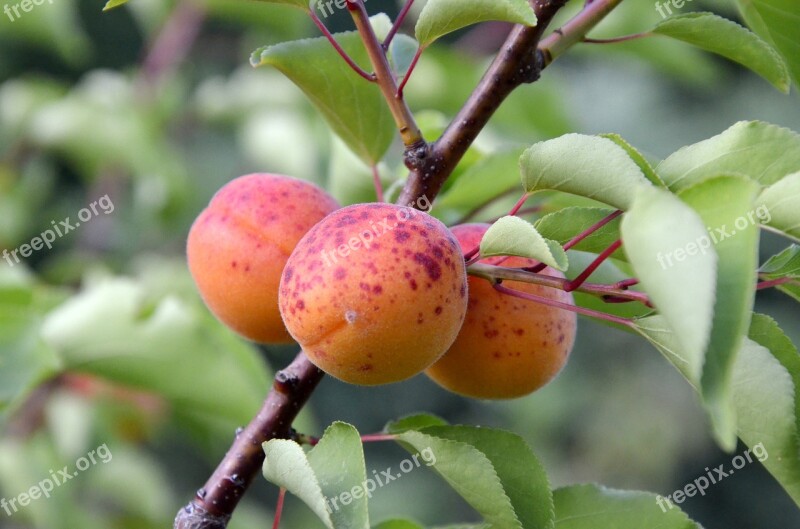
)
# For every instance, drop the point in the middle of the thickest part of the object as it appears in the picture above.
(375, 293)
(508, 347)
(239, 244)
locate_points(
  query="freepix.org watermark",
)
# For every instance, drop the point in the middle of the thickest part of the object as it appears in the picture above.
(58, 230)
(101, 454)
(665, 8)
(326, 7)
(703, 244)
(381, 479)
(365, 237)
(26, 6)
(712, 477)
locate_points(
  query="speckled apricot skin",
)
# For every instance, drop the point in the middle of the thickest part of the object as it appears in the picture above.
(380, 312)
(239, 244)
(508, 347)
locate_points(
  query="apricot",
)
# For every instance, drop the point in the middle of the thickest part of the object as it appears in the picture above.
(375, 293)
(239, 244)
(508, 347)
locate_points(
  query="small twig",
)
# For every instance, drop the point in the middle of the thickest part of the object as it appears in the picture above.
(496, 273)
(774, 282)
(578, 281)
(407, 76)
(566, 306)
(576, 29)
(397, 23)
(377, 437)
(404, 119)
(615, 40)
(279, 508)
(376, 180)
(590, 230)
(371, 77)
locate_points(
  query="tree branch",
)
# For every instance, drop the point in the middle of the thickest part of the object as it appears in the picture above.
(214, 504)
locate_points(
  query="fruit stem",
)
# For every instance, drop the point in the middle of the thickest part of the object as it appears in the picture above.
(565, 306)
(397, 23)
(279, 508)
(371, 77)
(519, 205)
(406, 124)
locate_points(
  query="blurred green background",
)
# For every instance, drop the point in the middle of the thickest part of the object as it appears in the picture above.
(103, 339)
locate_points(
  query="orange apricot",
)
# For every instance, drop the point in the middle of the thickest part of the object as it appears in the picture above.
(375, 293)
(239, 244)
(508, 347)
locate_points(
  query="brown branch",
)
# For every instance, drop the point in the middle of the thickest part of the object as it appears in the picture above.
(214, 504)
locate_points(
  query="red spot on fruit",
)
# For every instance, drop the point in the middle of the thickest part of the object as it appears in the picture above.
(432, 268)
(438, 310)
(340, 274)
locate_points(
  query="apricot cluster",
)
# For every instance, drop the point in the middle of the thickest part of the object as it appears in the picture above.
(238, 246)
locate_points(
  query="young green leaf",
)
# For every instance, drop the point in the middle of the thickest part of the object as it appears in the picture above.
(521, 474)
(767, 397)
(470, 473)
(588, 166)
(596, 507)
(637, 157)
(401, 53)
(724, 204)
(783, 264)
(353, 107)
(111, 4)
(779, 205)
(338, 463)
(440, 17)
(669, 248)
(514, 236)
(764, 153)
(286, 465)
(727, 38)
(776, 21)
(330, 479)
(564, 224)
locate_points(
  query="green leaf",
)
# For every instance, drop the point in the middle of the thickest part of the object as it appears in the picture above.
(287, 466)
(564, 224)
(778, 205)
(331, 479)
(471, 474)
(440, 17)
(352, 106)
(521, 474)
(338, 463)
(302, 4)
(776, 21)
(596, 507)
(662, 238)
(764, 153)
(724, 204)
(766, 384)
(211, 378)
(402, 51)
(637, 157)
(728, 39)
(514, 236)
(414, 422)
(588, 166)
(111, 4)
(791, 289)
(783, 264)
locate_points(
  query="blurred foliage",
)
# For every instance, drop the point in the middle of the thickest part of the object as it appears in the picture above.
(82, 115)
